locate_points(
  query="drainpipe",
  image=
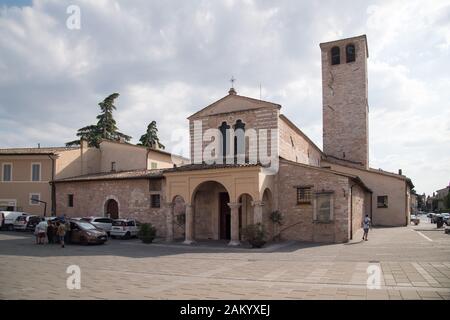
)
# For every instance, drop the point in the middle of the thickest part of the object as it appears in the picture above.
(351, 212)
(53, 187)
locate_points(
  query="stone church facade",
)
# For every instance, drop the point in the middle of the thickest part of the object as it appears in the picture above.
(322, 196)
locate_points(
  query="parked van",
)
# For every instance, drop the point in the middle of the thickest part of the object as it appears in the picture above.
(9, 219)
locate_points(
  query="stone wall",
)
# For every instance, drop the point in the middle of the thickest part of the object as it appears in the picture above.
(358, 208)
(345, 108)
(133, 197)
(262, 118)
(295, 147)
(299, 221)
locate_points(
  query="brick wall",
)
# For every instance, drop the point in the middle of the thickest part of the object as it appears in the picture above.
(295, 147)
(262, 118)
(133, 197)
(345, 109)
(298, 218)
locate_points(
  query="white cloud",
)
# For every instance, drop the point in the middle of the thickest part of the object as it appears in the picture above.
(169, 59)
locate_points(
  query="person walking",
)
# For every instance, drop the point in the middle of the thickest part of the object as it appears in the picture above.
(61, 232)
(50, 232)
(366, 225)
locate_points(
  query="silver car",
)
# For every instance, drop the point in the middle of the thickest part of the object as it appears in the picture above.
(100, 222)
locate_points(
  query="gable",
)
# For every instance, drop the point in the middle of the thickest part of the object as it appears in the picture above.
(233, 103)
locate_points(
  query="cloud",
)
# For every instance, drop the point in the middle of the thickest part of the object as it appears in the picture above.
(168, 59)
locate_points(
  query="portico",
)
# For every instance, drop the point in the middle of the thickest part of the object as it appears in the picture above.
(219, 201)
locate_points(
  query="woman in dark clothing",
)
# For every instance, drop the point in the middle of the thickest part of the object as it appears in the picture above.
(50, 232)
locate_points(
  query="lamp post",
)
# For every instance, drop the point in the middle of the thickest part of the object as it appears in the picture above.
(45, 205)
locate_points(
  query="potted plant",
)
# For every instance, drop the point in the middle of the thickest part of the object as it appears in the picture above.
(255, 234)
(147, 233)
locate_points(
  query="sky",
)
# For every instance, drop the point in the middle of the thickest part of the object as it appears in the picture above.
(168, 59)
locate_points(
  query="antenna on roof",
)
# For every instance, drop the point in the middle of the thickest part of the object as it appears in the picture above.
(260, 91)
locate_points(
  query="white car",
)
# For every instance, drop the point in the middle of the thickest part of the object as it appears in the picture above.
(26, 222)
(9, 219)
(124, 228)
(100, 222)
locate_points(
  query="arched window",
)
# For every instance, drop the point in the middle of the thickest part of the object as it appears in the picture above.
(350, 52)
(239, 138)
(224, 128)
(335, 55)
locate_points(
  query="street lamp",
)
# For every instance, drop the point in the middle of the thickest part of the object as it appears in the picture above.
(45, 204)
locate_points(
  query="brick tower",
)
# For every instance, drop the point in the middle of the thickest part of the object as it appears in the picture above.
(344, 96)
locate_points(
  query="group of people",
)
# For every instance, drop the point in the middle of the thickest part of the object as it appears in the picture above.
(55, 232)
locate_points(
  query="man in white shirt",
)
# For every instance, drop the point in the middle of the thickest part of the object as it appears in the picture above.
(366, 226)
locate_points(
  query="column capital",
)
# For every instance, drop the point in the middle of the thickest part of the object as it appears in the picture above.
(258, 203)
(234, 205)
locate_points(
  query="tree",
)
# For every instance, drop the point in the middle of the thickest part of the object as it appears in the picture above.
(104, 129)
(150, 138)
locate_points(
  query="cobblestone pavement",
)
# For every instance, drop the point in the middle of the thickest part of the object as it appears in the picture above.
(415, 264)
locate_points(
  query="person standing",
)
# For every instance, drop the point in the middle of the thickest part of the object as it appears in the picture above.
(366, 226)
(61, 232)
(68, 231)
(41, 229)
(50, 232)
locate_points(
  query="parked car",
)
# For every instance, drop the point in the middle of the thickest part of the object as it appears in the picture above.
(26, 223)
(9, 219)
(86, 233)
(100, 222)
(446, 217)
(435, 217)
(125, 228)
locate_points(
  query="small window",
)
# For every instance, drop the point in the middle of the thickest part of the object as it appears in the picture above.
(70, 200)
(36, 172)
(7, 172)
(303, 195)
(34, 199)
(382, 201)
(335, 55)
(324, 207)
(155, 201)
(130, 223)
(113, 166)
(154, 165)
(350, 53)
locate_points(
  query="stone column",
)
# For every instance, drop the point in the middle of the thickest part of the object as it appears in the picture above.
(257, 211)
(169, 221)
(234, 224)
(189, 229)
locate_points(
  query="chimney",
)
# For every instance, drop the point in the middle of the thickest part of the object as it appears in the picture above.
(400, 172)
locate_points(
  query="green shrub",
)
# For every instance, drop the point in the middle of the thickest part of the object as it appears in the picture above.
(255, 234)
(147, 233)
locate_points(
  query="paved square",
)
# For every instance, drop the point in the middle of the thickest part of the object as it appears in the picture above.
(415, 264)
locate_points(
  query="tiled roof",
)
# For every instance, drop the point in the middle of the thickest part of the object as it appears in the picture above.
(119, 175)
(34, 151)
(204, 166)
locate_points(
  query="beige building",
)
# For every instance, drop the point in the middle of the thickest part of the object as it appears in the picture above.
(26, 173)
(250, 164)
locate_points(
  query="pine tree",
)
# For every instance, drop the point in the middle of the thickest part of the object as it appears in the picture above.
(104, 129)
(150, 138)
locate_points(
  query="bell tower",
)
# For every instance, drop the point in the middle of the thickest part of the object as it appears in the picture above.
(344, 98)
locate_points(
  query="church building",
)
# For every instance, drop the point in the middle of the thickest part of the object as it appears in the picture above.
(250, 164)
